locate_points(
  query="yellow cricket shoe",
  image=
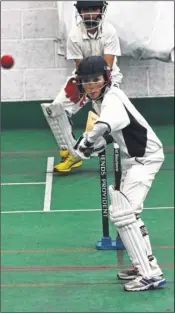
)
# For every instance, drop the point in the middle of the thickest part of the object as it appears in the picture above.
(67, 163)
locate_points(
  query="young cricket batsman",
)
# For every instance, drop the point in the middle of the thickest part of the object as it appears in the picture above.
(141, 159)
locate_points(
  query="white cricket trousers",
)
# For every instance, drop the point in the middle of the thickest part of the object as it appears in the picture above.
(137, 177)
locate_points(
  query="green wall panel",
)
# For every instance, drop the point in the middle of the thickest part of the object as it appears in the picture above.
(24, 115)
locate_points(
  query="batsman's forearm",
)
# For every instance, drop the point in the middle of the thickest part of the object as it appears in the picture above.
(98, 130)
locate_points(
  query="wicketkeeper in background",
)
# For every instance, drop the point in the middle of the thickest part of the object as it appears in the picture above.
(90, 36)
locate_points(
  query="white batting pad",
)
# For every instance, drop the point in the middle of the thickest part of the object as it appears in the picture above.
(122, 215)
(60, 126)
(152, 259)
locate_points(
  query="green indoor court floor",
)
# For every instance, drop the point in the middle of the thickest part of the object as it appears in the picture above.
(50, 225)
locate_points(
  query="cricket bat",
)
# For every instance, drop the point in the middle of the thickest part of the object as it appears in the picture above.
(92, 118)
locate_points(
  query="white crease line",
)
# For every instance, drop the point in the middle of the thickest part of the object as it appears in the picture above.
(48, 188)
(81, 210)
(16, 184)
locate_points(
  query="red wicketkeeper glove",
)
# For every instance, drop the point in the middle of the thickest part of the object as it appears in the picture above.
(72, 91)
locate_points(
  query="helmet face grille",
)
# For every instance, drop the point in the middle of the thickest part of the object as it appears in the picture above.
(89, 69)
(93, 21)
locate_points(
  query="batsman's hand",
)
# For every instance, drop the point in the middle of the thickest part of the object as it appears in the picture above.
(86, 149)
(99, 146)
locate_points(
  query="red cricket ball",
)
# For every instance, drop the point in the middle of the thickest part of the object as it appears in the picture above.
(7, 61)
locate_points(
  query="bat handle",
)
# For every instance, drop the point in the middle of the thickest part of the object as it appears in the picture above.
(117, 167)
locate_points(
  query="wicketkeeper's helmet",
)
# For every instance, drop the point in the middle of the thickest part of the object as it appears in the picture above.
(93, 21)
(90, 4)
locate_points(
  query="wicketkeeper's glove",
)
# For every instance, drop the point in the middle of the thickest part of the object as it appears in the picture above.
(73, 93)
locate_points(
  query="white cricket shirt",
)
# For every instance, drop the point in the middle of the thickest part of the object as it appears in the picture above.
(128, 127)
(81, 45)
